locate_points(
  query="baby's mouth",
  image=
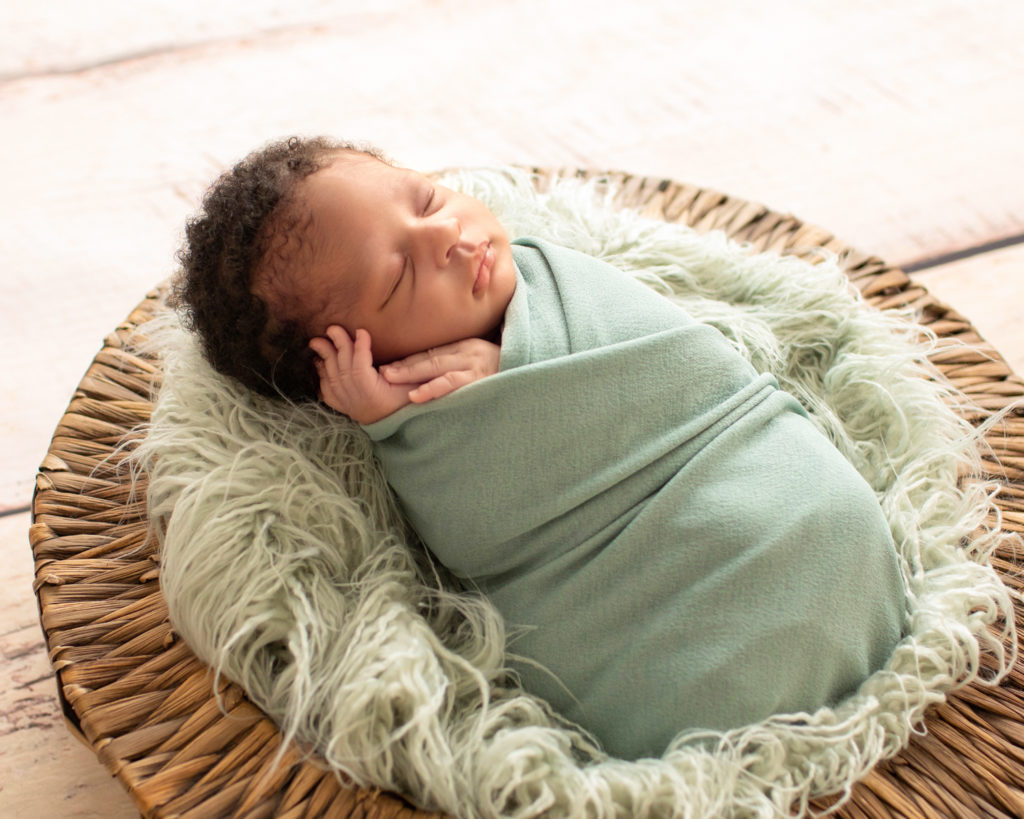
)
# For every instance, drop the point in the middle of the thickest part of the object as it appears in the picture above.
(483, 269)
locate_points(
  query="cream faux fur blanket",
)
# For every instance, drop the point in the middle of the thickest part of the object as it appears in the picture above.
(287, 568)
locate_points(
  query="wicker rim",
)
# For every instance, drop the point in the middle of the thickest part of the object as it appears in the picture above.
(138, 696)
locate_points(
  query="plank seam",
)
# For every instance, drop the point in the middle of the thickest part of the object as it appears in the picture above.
(965, 253)
(8, 511)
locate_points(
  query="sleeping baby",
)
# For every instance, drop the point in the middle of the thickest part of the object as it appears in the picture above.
(671, 541)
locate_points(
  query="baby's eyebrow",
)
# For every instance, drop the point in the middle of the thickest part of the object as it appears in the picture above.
(417, 183)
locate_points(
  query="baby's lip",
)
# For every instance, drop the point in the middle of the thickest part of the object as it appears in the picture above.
(483, 267)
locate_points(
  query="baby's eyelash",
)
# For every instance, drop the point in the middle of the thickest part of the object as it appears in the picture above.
(430, 199)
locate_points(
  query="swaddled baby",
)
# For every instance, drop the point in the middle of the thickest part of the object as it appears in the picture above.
(671, 541)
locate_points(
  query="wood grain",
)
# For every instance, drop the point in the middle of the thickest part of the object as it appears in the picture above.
(970, 283)
(896, 126)
(46, 770)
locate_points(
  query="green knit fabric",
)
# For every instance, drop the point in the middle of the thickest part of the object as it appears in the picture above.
(676, 544)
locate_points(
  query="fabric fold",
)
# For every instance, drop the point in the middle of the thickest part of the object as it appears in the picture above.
(665, 531)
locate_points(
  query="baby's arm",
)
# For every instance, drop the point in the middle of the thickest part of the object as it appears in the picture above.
(349, 383)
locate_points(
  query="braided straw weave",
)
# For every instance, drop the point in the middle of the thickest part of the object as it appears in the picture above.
(138, 696)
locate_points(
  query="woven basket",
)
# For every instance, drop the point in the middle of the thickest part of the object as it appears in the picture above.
(138, 696)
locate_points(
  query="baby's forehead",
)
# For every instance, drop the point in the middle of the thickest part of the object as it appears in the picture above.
(341, 207)
(352, 202)
(367, 170)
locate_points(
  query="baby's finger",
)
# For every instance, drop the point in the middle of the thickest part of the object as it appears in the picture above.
(331, 389)
(323, 347)
(321, 374)
(424, 366)
(441, 386)
(362, 355)
(342, 340)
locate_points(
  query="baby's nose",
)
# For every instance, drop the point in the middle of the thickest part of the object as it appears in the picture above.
(445, 235)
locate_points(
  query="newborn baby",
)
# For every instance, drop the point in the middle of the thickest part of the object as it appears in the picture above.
(671, 541)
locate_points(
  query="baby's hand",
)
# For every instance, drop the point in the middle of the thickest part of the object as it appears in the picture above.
(442, 370)
(349, 382)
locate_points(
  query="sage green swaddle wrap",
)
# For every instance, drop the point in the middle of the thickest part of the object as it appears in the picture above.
(678, 545)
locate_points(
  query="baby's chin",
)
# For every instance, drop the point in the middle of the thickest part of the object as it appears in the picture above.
(505, 270)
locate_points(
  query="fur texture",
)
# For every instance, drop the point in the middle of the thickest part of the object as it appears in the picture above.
(287, 568)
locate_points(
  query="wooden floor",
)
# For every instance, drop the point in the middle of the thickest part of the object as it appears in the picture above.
(897, 126)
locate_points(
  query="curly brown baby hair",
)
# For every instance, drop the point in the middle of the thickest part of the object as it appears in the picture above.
(225, 244)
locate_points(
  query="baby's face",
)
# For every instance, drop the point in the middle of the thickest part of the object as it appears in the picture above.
(416, 264)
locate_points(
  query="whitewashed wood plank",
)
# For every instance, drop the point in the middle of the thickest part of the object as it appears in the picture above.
(897, 126)
(67, 35)
(18, 608)
(989, 290)
(50, 773)
(46, 770)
